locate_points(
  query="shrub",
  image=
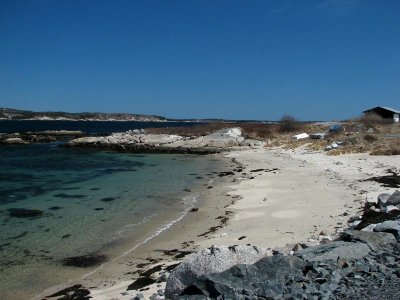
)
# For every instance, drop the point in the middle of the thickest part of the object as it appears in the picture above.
(374, 119)
(370, 138)
(288, 124)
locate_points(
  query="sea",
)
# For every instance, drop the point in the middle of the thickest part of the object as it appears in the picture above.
(58, 202)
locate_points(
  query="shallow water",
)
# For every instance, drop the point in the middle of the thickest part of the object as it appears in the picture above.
(59, 202)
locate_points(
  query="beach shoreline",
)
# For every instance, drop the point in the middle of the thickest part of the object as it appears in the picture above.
(274, 199)
(160, 247)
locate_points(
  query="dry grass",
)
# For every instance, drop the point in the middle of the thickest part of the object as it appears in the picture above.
(260, 131)
(373, 119)
(356, 138)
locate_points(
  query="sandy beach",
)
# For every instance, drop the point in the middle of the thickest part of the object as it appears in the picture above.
(275, 199)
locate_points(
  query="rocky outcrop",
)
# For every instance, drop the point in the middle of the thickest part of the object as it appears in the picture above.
(213, 260)
(14, 140)
(134, 141)
(356, 265)
(38, 137)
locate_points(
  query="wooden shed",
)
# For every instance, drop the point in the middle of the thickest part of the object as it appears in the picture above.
(384, 112)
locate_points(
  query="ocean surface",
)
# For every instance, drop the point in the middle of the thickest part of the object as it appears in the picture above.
(89, 127)
(58, 202)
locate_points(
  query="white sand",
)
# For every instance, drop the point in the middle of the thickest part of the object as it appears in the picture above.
(308, 194)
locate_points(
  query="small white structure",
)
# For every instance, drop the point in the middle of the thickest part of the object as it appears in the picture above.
(300, 136)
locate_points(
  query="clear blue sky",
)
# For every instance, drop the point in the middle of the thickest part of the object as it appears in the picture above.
(315, 59)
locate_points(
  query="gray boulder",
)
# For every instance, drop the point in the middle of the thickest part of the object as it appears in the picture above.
(394, 199)
(382, 201)
(266, 279)
(392, 227)
(334, 251)
(374, 240)
(389, 208)
(212, 260)
(15, 140)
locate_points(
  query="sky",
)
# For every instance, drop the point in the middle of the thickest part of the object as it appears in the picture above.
(258, 60)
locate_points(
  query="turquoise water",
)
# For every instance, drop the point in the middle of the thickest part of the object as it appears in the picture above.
(58, 202)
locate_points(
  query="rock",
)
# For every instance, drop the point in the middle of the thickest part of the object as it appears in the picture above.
(355, 224)
(15, 141)
(156, 297)
(252, 143)
(324, 238)
(394, 199)
(392, 227)
(389, 208)
(164, 277)
(333, 251)
(373, 217)
(382, 199)
(298, 247)
(265, 279)
(369, 228)
(138, 297)
(374, 240)
(132, 141)
(212, 260)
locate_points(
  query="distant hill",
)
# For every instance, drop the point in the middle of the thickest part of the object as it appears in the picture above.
(15, 114)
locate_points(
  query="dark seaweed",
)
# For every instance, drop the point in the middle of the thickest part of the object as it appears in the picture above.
(75, 292)
(55, 208)
(84, 261)
(108, 199)
(25, 213)
(76, 196)
(391, 181)
(140, 283)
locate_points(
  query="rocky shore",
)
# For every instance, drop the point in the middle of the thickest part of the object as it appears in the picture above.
(138, 141)
(362, 263)
(47, 136)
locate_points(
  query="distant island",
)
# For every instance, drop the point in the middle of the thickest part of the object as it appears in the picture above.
(15, 114)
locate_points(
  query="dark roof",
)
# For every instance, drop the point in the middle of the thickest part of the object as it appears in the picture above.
(385, 108)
